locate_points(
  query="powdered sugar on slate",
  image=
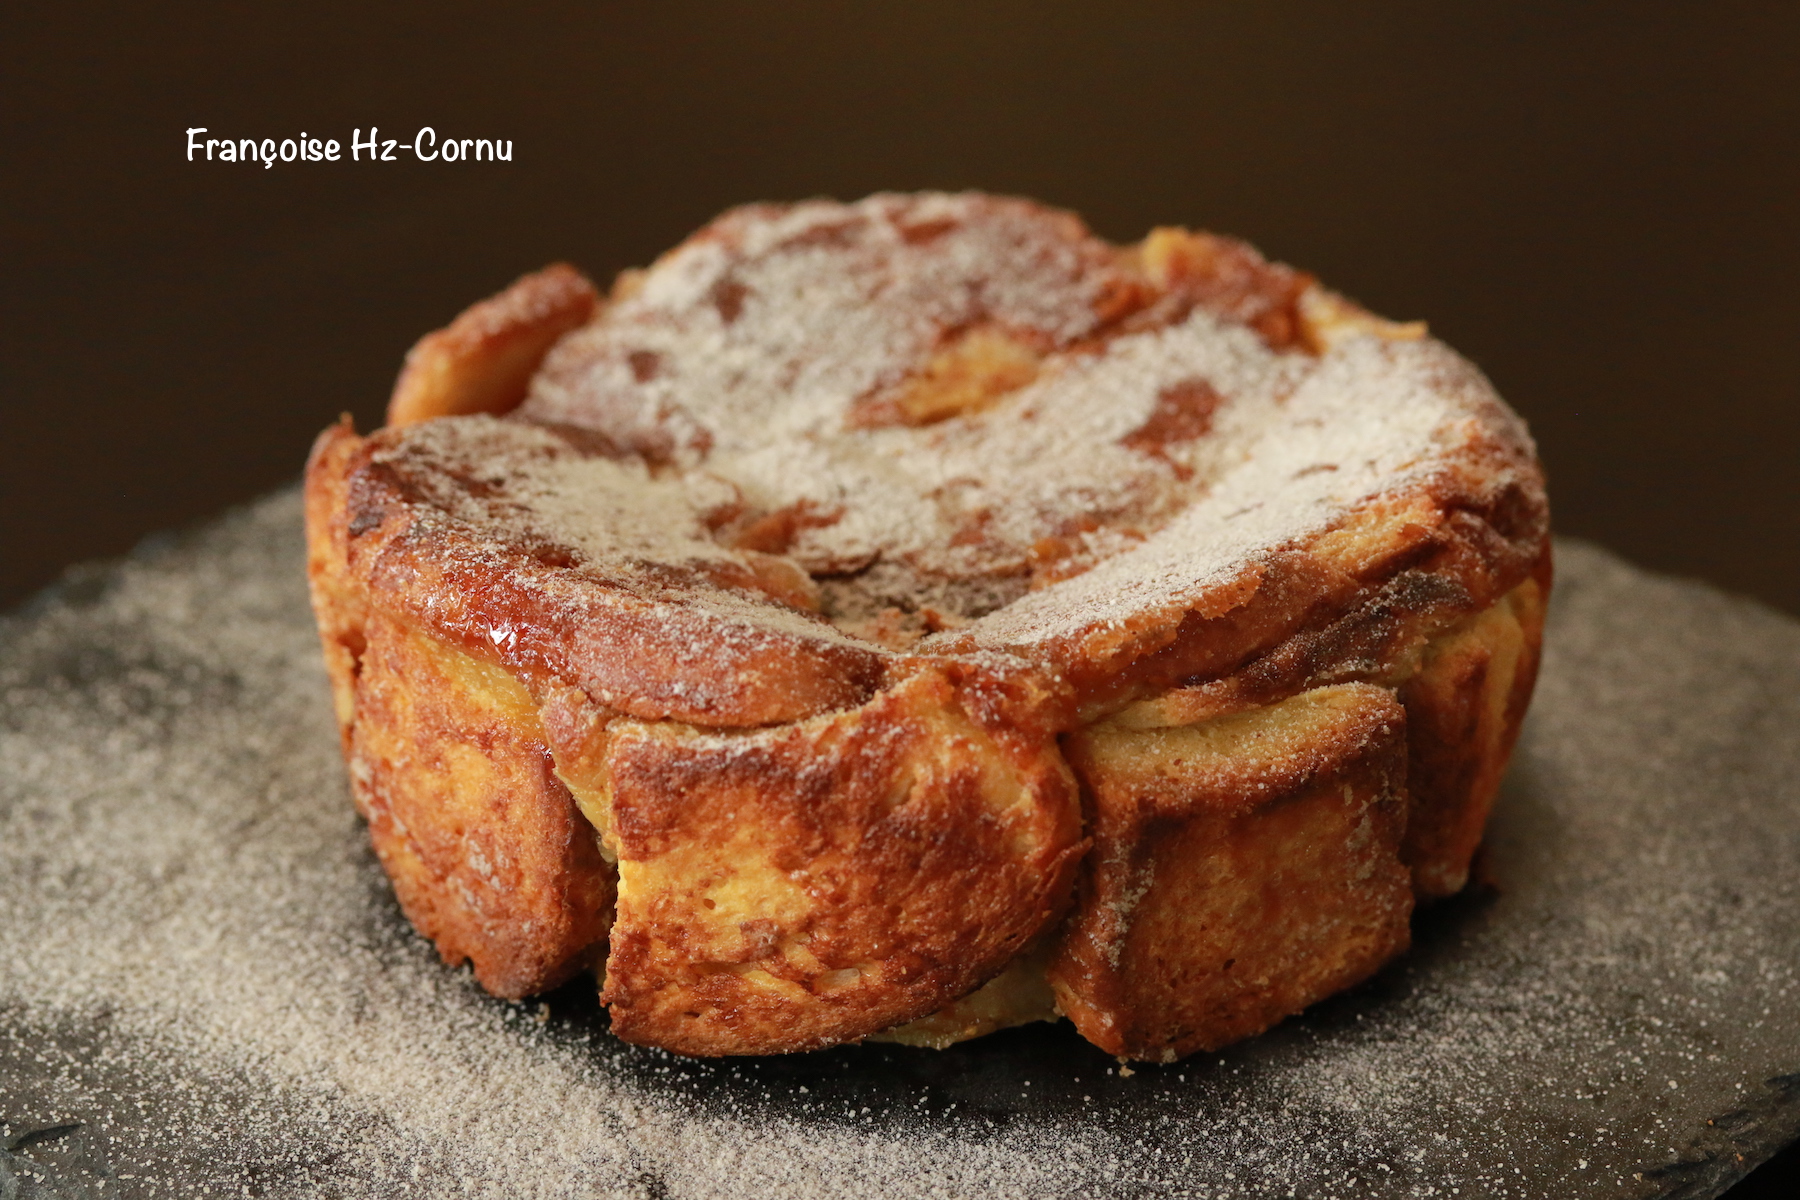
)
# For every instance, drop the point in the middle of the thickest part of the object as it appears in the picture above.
(201, 961)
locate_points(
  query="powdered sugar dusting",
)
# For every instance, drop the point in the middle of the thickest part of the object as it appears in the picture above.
(744, 354)
(764, 325)
(609, 510)
(516, 492)
(201, 961)
(1374, 418)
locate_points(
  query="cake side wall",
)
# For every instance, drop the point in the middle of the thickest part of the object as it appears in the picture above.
(1243, 869)
(448, 764)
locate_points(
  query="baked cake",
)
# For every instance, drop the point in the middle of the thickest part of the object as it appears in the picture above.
(909, 618)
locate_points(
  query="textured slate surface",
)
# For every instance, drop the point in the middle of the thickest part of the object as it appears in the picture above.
(200, 964)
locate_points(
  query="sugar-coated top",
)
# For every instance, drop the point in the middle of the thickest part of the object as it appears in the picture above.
(971, 407)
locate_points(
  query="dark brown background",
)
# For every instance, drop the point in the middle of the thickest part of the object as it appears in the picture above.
(1600, 207)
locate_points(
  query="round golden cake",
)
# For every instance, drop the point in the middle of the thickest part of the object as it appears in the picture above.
(909, 618)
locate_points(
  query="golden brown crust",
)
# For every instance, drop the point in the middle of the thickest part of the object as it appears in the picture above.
(502, 595)
(1464, 707)
(1242, 869)
(1228, 277)
(831, 820)
(337, 597)
(483, 361)
(1464, 686)
(801, 886)
(1474, 525)
(488, 854)
(1309, 612)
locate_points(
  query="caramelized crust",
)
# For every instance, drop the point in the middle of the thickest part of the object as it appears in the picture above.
(1242, 869)
(1303, 612)
(1463, 689)
(665, 640)
(1464, 708)
(484, 360)
(800, 886)
(488, 855)
(743, 633)
(338, 597)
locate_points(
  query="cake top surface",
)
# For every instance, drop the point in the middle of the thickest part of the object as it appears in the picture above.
(963, 417)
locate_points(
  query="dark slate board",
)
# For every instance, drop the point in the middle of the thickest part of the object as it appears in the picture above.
(201, 966)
